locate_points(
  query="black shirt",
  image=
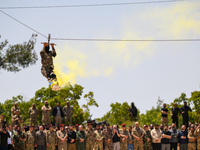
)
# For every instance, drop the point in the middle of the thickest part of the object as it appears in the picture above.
(116, 138)
(175, 111)
(165, 140)
(166, 110)
(4, 138)
(71, 135)
(185, 109)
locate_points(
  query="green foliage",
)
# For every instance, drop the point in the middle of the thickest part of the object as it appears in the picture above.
(68, 93)
(15, 57)
(90, 102)
(118, 114)
(195, 101)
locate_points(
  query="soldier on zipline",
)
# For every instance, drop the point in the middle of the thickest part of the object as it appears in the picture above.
(47, 65)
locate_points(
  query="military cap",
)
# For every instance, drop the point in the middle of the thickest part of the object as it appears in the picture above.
(88, 124)
(76, 125)
(62, 125)
(124, 125)
(50, 125)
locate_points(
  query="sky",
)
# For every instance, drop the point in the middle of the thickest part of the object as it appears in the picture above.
(138, 72)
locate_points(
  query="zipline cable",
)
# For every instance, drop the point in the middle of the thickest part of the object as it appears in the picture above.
(104, 40)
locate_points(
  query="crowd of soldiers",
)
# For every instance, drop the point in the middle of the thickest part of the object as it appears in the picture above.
(101, 137)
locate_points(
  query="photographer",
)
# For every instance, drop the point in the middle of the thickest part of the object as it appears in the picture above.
(116, 138)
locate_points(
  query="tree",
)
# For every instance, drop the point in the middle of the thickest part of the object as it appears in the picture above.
(68, 93)
(195, 101)
(118, 114)
(90, 102)
(18, 56)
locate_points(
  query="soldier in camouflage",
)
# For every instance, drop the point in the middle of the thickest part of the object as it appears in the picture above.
(14, 109)
(81, 138)
(99, 138)
(41, 139)
(90, 137)
(108, 135)
(197, 133)
(147, 138)
(46, 112)
(47, 62)
(123, 138)
(51, 138)
(68, 112)
(16, 119)
(192, 139)
(33, 112)
(138, 137)
(62, 138)
(19, 139)
(30, 139)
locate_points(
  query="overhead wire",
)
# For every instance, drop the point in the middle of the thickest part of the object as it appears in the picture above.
(92, 5)
(103, 40)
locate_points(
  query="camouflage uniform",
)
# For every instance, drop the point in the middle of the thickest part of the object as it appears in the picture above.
(99, 136)
(197, 133)
(16, 120)
(124, 145)
(30, 140)
(147, 145)
(68, 114)
(47, 64)
(191, 141)
(19, 144)
(81, 135)
(108, 135)
(33, 112)
(51, 140)
(90, 139)
(41, 140)
(13, 109)
(46, 118)
(62, 146)
(138, 145)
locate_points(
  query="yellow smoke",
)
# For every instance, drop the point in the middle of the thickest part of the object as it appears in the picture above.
(175, 20)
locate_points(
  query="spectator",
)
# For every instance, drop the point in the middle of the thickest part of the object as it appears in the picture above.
(11, 133)
(81, 138)
(175, 114)
(183, 138)
(156, 138)
(164, 111)
(166, 136)
(116, 138)
(4, 139)
(184, 110)
(138, 137)
(71, 140)
(58, 115)
(130, 138)
(174, 138)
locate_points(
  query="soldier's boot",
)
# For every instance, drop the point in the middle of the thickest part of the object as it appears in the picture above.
(54, 85)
